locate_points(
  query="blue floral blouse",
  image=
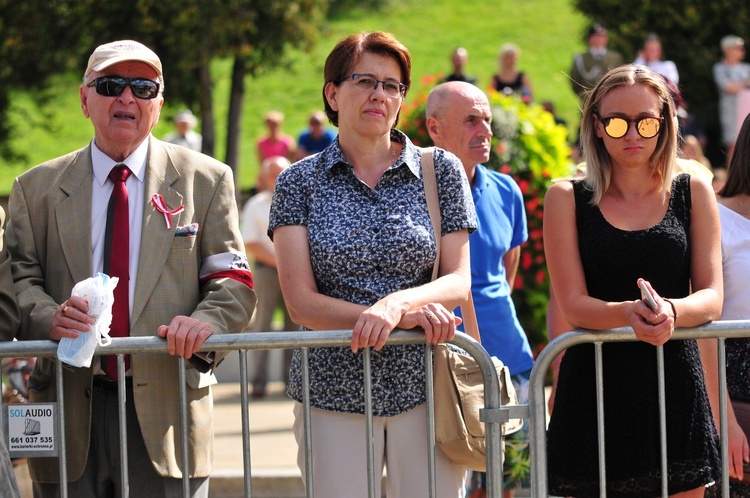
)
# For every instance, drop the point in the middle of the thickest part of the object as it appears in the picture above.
(365, 244)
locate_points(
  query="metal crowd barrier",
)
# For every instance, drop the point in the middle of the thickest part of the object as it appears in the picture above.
(493, 414)
(538, 406)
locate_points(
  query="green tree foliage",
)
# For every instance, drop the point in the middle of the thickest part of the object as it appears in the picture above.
(690, 31)
(41, 38)
(32, 47)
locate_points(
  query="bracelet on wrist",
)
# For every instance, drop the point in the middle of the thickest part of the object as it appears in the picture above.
(674, 310)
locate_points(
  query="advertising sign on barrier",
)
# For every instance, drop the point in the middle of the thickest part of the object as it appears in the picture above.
(31, 429)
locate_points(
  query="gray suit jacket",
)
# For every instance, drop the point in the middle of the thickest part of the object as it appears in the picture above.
(9, 313)
(49, 236)
(586, 70)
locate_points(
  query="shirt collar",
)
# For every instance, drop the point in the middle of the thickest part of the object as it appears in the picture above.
(103, 164)
(480, 179)
(410, 154)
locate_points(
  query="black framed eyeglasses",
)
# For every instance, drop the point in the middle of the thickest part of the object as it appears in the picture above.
(616, 127)
(392, 89)
(113, 86)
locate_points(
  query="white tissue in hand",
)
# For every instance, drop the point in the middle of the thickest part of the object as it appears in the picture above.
(98, 292)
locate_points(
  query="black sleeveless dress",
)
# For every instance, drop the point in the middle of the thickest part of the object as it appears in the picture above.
(613, 259)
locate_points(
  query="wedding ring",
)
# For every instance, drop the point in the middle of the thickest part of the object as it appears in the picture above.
(64, 309)
(432, 318)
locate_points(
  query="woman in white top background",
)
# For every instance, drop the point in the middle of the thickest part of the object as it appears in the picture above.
(734, 213)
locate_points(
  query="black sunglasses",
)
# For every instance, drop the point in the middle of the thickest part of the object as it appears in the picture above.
(113, 86)
(647, 127)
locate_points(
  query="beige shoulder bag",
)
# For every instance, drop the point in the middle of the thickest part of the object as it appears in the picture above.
(458, 382)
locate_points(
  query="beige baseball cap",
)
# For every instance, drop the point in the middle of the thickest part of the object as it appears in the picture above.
(119, 51)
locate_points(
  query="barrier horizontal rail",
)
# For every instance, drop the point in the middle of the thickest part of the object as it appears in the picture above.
(493, 413)
(216, 342)
(722, 330)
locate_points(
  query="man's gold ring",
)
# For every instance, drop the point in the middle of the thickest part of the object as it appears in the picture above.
(64, 309)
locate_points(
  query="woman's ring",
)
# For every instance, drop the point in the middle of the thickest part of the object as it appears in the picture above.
(64, 309)
(432, 318)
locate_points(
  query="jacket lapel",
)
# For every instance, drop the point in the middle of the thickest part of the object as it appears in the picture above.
(156, 238)
(73, 216)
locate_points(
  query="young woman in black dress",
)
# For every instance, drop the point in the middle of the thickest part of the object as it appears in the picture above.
(628, 220)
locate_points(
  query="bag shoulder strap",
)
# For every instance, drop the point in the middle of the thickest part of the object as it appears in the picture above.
(433, 204)
(433, 208)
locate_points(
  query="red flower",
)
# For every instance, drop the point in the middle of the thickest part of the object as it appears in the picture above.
(428, 80)
(526, 260)
(523, 185)
(540, 277)
(532, 204)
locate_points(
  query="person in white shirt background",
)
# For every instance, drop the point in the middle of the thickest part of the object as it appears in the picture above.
(259, 247)
(651, 55)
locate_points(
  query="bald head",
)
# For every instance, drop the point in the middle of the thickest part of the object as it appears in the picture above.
(459, 58)
(458, 120)
(270, 170)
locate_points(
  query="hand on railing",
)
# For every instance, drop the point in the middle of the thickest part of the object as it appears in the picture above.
(653, 326)
(376, 323)
(185, 335)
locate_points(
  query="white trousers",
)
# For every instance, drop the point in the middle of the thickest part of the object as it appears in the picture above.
(339, 455)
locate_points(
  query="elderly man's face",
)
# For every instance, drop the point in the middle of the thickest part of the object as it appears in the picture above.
(464, 128)
(121, 123)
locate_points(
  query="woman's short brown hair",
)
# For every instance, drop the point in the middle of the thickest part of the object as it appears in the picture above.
(348, 52)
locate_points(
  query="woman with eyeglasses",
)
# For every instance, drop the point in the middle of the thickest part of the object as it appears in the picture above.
(630, 222)
(355, 250)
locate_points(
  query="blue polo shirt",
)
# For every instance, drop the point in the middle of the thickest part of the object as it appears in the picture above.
(501, 226)
(314, 145)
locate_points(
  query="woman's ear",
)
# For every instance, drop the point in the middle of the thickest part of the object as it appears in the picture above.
(331, 92)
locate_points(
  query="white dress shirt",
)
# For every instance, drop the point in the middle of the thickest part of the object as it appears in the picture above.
(101, 190)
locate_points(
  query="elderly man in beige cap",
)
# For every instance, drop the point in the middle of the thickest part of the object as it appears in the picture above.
(161, 218)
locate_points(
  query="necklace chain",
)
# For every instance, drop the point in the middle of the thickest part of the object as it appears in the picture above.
(742, 205)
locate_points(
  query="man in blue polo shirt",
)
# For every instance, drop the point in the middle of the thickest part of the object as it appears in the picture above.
(458, 120)
(316, 138)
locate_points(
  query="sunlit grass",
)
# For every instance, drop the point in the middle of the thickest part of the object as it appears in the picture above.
(549, 32)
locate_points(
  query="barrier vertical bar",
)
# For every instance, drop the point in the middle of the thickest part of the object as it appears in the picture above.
(430, 395)
(662, 420)
(600, 419)
(538, 424)
(723, 418)
(492, 414)
(183, 426)
(122, 417)
(368, 422)
(61, 429)
(307, 421)
(246, 463)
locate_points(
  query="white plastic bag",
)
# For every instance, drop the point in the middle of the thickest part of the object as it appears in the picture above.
(98, 292)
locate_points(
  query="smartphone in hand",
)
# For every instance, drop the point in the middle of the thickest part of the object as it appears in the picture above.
(647, 297)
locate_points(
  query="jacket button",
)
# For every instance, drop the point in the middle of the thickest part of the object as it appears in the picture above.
(88, 393)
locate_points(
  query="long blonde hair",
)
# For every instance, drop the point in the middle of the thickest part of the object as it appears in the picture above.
(598, 161)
